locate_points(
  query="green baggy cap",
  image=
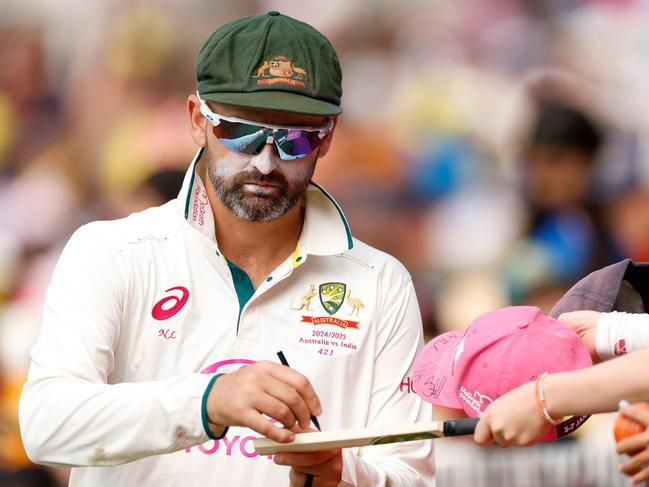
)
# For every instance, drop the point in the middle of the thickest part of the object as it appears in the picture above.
(272, 62)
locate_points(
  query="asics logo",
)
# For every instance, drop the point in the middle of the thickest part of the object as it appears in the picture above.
(169, 306)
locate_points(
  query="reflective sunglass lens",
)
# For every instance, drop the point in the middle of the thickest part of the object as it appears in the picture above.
(241, 137)
(249, 139)
(294, 144)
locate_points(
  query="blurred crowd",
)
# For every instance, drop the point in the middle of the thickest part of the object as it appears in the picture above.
(498, 148)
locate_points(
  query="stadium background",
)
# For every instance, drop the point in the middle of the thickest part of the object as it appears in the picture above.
(431, 162)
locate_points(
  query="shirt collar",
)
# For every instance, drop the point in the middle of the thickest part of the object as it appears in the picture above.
(325, 230)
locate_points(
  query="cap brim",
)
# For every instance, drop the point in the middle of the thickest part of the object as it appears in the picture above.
(433, 370)
(280, 101)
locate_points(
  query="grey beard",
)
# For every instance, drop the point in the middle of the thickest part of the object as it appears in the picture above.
(253, 208)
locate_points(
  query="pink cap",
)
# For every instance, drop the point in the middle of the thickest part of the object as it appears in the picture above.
(499, 351)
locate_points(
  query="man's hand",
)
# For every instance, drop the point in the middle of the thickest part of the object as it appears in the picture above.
(325, 466)
(241, 398)
(584, 323)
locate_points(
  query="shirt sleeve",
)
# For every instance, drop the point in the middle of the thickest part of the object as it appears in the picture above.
(69, 414)
(620, 333)
(407, 464)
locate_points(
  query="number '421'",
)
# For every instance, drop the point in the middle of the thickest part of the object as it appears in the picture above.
(326, 351)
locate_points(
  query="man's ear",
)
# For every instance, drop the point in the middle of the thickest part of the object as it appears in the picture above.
(326, 142)
(197, 122)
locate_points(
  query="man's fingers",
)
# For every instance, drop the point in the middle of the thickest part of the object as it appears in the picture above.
(325, 466)
(296, 479)
(287, 395)
(300, 383)
(240, 399)
(309, 459)
(327, 472)
(263, 426)
(276, 409)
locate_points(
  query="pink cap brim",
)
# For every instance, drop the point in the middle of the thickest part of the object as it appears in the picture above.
(433, 370)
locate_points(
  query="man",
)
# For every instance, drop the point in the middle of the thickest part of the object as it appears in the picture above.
(161, 331)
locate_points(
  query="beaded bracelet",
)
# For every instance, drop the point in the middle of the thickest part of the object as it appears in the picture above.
(540, 400)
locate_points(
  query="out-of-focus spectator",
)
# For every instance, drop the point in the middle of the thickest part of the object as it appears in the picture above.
(628, 218)
(28, 477)
(566, 232)
(160, 187)
(31, 105)
(91, 94)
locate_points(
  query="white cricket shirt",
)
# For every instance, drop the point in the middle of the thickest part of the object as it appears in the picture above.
(143, 311)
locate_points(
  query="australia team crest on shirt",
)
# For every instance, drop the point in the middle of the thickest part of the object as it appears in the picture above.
(332, 321)
(332, 295)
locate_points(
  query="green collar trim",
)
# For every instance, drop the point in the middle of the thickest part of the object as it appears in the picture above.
(350, 242)
(243, 287)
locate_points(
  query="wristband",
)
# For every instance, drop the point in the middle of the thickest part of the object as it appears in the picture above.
(204, 419)
(621, 333)
(540, 400)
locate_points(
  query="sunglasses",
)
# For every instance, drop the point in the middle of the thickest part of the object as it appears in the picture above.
(249, 138)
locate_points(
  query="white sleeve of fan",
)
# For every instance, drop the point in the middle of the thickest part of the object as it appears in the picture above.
(621, 333)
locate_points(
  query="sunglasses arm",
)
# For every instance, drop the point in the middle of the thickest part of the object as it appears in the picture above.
(215, 118)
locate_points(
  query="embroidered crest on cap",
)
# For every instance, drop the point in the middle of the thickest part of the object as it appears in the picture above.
(280, 69)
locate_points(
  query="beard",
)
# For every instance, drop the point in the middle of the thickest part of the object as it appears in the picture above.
(256, 206)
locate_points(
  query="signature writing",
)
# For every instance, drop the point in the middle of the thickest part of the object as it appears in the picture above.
(434, 386)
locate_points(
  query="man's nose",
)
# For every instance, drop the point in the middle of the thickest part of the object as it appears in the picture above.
(265, 162)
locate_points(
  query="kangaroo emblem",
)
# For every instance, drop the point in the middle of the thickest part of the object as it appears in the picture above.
(261, 72)
(305, 300)
(354, 303)
(280, 67)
